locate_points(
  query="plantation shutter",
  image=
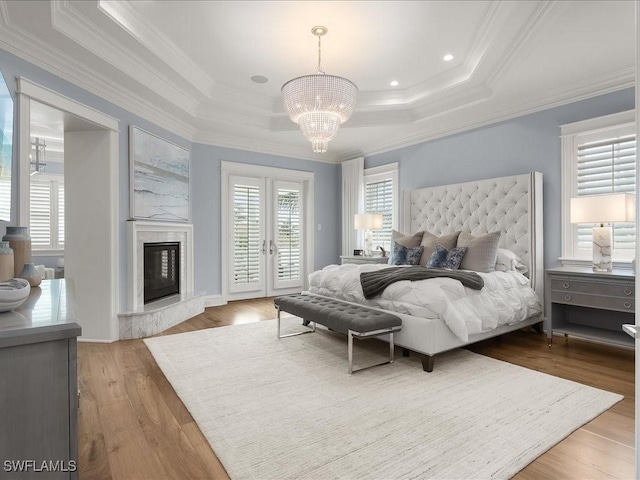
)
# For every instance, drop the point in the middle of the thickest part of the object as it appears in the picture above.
(379, 199)
(608, 167)
(246, 234)
(40, 215)
(289, 237)
(60, 215)
(5, 199)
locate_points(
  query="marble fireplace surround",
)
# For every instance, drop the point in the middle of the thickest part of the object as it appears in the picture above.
(144, 320)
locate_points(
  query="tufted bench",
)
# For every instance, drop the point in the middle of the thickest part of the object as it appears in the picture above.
(353, 320)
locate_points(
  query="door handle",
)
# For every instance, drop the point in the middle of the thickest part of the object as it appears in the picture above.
(264, 247)
(273, 248)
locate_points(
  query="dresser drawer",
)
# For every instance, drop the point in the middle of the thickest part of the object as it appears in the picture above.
(596, 301)
(608, 289)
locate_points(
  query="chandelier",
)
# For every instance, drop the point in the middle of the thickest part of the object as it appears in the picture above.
(319, 103)
(38, 149)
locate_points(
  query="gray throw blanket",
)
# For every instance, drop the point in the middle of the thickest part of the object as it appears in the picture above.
(374, 283)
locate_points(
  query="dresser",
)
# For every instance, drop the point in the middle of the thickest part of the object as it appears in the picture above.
(591, 305)
(361, 259)
(39, 393)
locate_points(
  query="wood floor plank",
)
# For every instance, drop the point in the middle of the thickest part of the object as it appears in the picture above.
(130, 455)
(212, 463)
(133, 425)
(93, 458)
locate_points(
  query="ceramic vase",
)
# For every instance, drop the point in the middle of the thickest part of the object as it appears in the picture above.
(20, 242)
(30, 274)
(6, 262)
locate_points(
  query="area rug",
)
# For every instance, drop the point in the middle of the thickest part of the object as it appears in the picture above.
(287, 409)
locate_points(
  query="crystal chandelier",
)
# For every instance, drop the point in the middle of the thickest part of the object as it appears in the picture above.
(319, 103)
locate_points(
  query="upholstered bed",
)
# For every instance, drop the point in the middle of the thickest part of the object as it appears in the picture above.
(511, 205)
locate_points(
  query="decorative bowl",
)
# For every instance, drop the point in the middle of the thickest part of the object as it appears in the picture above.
(13, 293)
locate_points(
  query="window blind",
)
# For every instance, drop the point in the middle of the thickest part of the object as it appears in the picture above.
(379, 199)
(60, 215)
(5, 198)
(246, 234)
(289, 234)
(608, 166)
(40, 215)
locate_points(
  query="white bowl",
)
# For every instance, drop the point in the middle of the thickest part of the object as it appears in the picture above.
(13, 293)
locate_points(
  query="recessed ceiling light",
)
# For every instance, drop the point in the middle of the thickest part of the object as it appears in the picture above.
(394, 83)
(259, 79)
(448, 57)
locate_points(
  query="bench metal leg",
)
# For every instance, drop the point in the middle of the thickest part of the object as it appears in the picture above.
(310, 330)
(351, 334)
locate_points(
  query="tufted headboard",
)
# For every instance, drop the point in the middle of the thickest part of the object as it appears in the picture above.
(511, 205)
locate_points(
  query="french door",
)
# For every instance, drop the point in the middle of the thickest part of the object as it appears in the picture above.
(266, 236)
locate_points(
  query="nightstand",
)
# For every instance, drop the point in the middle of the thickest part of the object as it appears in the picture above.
(591, 305)
(362, 259)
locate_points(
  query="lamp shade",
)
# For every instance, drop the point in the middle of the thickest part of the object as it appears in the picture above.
(617, 207)
(367, 221)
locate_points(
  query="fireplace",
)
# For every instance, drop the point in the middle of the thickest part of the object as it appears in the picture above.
(161, 270)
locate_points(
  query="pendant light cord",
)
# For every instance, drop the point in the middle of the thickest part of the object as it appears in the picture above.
(319, 54)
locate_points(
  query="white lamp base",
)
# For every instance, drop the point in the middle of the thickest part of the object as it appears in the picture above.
(367, 243)
(602, 249)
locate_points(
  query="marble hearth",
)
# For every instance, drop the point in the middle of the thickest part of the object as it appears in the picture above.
(145, 320)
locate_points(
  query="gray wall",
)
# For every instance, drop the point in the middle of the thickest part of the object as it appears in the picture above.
(205, 186)
(521, 145)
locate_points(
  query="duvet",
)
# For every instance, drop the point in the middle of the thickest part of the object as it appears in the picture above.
(506, 297)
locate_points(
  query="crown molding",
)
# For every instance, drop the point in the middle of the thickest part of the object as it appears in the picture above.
(238, 142)
(24, 45)
(4, 13)
(525, 41)
(122, 13)
(76, 26)
(608, 83)
(454, 99)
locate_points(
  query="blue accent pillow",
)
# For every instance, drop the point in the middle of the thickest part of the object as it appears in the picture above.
(405, 255)
(443, 258)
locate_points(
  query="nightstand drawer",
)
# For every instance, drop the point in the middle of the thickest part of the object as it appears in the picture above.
(596, 301)
(608, 289)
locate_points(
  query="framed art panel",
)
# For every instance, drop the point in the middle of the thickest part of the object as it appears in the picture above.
(159, 178)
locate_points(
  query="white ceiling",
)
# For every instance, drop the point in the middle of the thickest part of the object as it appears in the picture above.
(187, 65)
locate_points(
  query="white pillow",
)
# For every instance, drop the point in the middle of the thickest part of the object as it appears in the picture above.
(509, 261)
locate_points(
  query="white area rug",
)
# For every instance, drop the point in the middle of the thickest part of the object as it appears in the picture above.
(287, 408)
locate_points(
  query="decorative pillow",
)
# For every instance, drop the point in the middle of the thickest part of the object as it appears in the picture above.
(404, 240)
(508, 261)
(482, 251)
(429, 241)
(405, 255)
(443, 258)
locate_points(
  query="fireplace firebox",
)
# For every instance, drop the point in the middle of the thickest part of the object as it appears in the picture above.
(161, 270)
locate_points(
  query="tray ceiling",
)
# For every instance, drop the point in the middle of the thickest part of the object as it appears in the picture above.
(187, 65)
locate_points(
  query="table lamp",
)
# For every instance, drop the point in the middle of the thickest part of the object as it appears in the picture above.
(601, 209)
(367, 222)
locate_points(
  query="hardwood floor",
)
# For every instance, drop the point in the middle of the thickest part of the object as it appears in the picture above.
(132, 425)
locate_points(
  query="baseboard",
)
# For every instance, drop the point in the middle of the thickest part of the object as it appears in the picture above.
(214, 300)
(89, 340)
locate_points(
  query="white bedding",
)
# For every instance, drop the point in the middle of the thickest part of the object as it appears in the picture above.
(506, 297)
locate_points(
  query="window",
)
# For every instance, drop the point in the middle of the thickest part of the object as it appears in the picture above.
(46, 213)
(5, 198)
(247, 234)
(380, 196)
(599, 157)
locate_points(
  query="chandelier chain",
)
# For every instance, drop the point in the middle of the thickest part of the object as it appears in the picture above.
(320, 54)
